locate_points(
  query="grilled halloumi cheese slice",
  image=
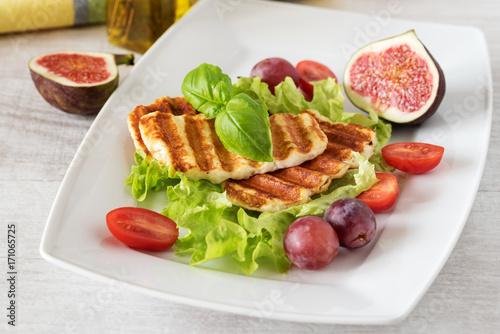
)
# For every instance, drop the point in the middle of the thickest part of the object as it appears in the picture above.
(292, 186)
(190, 145)
(344, 138)
(166, 104)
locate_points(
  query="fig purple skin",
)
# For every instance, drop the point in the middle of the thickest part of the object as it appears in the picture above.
(397, 78)
(74, 101)
(77, 97)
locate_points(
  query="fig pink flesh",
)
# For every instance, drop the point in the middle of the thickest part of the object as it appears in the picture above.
(395, 77)
(78, 68)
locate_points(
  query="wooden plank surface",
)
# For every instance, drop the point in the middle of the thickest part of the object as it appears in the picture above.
(39, 142)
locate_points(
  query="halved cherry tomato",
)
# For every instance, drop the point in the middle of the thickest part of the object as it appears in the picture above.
(311, 71)
(383, 194)
(412, 157)
(142, 229)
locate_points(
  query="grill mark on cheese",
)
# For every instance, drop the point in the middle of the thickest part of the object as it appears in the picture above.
(333, 155)
(348, 136)
(225, 157)
(176, 105)
(284, 187)
(252, 199)
(300, 176)
(289, 134)
(328, 164)
(166, 104)
(162, 105)
(287, 191)
(199, 142)
(266, 191)
(163, 128)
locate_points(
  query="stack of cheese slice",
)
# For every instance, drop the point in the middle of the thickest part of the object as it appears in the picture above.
(309, 151)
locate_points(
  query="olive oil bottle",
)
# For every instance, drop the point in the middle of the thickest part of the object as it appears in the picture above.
(136, 24)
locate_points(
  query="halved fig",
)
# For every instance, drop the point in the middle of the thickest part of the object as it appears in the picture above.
(77, 82)
(397, 78)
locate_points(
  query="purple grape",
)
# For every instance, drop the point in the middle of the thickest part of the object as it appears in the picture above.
(353, 221)
(310, 243)
(274, 70)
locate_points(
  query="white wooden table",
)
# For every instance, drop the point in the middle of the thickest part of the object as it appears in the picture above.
(38, 143)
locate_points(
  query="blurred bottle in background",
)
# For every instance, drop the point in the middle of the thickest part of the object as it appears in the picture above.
(136, 24)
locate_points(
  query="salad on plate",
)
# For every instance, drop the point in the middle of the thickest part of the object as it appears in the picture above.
(307, 235)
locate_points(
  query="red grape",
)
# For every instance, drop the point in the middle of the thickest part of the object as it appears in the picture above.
(310, 243)
(274, 70)
(353, 221)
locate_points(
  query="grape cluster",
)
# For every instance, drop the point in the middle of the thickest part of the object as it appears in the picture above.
(312, 242)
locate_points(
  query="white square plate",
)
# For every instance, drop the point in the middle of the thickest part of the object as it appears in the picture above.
(378, 284)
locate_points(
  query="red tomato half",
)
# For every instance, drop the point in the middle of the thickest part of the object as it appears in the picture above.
(413, 158)
(312, 71)
(383, 194)
(142, 229)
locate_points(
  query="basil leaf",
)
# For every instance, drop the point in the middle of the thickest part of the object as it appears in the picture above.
(207, 89)
(244, 128)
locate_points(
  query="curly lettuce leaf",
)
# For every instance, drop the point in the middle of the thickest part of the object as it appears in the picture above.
(200, 208)
(147, 175)
(328, 98)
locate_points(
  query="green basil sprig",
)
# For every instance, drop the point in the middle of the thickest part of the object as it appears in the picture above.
(241, 122)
